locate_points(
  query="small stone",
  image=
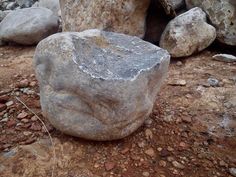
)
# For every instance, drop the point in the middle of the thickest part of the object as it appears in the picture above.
(125, 150)
(34, 118)
(164, 153)
(24, 120)
(159, 149)
(9, 103)
(186, 119)
(178, 165)
(109, 165)
(27, 133)
(148, 134)
(225, 58)
(33, 83)
(170, 159)
(146, 174)
(179, 63)
(23, 83)
(35, 127)
(170, 149)
(213, 82)
(178, 82)
(182, 144)
(150, 152)
(96, 165)
(223, 164)
(141, 144)
(5, 119)
(22, 115)
(11, 123)
(148, 122)
(233, 171)
(162, 163)
(2, 107)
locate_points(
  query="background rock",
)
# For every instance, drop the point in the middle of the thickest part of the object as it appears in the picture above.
(28, 26)
(25, 3)
(53, 5)
(177, 3)
(121, 16)
(98, 85)
(188, 33)
(222, 15)
(3, 14)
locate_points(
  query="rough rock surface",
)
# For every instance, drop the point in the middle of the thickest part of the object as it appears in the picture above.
(187, 33)
(53, 5)
(176, 3)
(3, 14)
(98, 85)
(28, 26)
(25, 3)
(123, 16)
(222, 15)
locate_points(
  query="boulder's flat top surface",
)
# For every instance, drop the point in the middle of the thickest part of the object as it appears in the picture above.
(112, 56)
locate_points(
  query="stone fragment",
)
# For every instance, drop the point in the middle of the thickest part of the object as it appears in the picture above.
(225, 58)
(98, 85)
(120, 16)
(222, 15)
(188, 33)
(28, 26)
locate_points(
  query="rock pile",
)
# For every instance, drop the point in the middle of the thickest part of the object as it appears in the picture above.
(98, 85)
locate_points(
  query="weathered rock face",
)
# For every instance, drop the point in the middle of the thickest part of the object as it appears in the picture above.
(28, 26)
(187, 33)
(123, 16)
(3, 14)
(176, 3)
(98, 85)
(53, 5)
(222, 15)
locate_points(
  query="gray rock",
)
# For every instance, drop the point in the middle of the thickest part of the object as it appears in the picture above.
(120, 16)
(25, 3)
(176, 3)
(11, 6)
(53, 5)
(4, 13)
(98, 85)
(225, 58)
(188, 33)
(213, 82)
(232, 171)
(28, 26)
(222, 15)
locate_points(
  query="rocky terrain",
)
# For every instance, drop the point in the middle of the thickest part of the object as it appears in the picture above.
(86, 83)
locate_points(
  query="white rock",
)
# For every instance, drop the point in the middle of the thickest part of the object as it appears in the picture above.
(225, 58)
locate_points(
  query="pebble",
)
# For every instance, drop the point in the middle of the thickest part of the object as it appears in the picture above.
(178, 165)
(170, 159)
(5, 119)
(186, 119)
(109, 165)
(35, 127)
(22, 115)
(146, 174)
(33, 83)
(23, 83)
(164, 153)
(9, 103)
(233, 171)
(2, 107)
(179, 82)
(225, 58)
(179, 63)
(27, 133)
(34, 118)
(213, 82)
(150, 152)
(162, 163)
(148, 134)
(170, 149)
(223, 164)
(11, 123)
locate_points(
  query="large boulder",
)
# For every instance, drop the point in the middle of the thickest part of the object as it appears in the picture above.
(222, 15)
(187, 33)
(28, 26)
(98, 85)
(123, 16)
